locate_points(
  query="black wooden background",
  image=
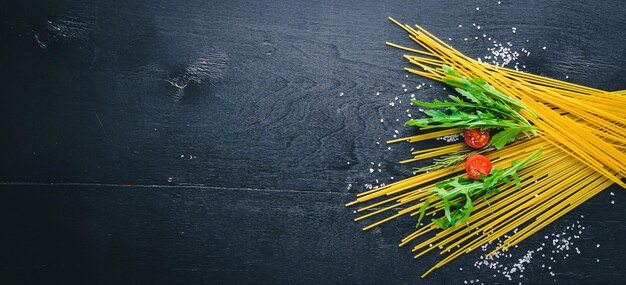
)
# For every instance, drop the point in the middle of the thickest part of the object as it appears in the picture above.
(187, 142)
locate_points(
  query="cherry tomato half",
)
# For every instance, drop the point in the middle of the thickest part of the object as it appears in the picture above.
(477, 165)
(476, 138)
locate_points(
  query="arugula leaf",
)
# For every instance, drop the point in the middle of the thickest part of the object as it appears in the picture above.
(423, 211)
(485, 108)
(441, 223)
(459, 118)
(506, 136)
(457, 194)
(477, 85)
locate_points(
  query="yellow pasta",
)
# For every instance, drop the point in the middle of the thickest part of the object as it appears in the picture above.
(581, 133)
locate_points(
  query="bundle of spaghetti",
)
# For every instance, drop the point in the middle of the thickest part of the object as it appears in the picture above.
(580, 134)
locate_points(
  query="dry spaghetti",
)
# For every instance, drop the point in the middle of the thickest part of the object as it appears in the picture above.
(580, 132)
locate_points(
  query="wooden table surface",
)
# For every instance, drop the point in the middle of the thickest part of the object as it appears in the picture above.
(207, 142)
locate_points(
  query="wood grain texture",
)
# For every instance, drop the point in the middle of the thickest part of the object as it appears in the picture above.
(207, 141)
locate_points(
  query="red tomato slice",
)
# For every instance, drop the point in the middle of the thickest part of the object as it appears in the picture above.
(476, 138)
(477, 165)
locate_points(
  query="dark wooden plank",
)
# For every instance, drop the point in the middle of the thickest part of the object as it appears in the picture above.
(89, 234)
(93, 96)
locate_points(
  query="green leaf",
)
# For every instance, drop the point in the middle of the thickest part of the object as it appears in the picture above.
(423, 211)
(441, 223)
(468, 95)
(487, 108)
(457, 194)
(503, 137)
(506, 180)
(446, 209)
(452, 222)
(518, 183)
(467, 209)
(486, 199)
